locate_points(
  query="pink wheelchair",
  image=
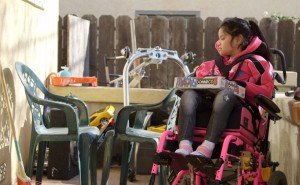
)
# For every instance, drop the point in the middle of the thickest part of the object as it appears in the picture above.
(241, 157)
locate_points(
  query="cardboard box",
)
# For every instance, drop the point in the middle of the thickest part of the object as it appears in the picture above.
(294, 107)
(212, 83)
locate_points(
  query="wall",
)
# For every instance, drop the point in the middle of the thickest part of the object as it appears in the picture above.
(29, 35)
(217, 8)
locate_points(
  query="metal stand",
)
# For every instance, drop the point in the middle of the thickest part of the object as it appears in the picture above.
(150, 56)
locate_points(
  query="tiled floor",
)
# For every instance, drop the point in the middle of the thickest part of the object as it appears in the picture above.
(113, 179)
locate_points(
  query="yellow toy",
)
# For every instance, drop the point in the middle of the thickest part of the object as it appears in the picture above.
(102, 118)
(159, 128)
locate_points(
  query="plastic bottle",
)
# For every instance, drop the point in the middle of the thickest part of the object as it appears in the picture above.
(64, 72)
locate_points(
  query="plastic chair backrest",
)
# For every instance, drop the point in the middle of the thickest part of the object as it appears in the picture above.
(33, 87)
(37, 96)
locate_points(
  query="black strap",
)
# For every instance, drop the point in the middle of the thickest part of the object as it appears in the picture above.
(259, 67)
(255, 114)
(226, 68)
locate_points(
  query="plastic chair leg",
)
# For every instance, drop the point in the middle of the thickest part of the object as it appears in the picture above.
(88, 159)
(84, 159)
(109, 141)
(93, 162)
(40, 161)
(30, 161)
(31, 154)
(126, 156)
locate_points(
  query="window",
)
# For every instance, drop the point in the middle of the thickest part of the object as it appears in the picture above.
(151, 13)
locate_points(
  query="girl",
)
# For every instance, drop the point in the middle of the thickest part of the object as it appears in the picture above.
(237, 37)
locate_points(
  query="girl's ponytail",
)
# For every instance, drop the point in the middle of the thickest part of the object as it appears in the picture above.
(264, 50)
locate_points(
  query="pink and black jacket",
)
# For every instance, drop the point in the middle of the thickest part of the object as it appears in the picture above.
(255, 74)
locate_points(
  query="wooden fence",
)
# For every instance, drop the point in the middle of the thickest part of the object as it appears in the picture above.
(108, 35)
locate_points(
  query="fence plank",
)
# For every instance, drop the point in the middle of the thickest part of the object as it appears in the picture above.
(142, 29)
(142, 25)
(210, 37)
(158, 74)
(60, 44)
(297, 52)
(64, 53)
(285, 35)
(93, 44)
(123, 40)
(177, 43)
(106, 48)
(268, 27)
(195, 40)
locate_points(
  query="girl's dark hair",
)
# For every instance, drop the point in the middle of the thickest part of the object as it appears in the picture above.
(248, 29)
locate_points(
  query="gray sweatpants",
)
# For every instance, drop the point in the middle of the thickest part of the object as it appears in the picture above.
(192, 102)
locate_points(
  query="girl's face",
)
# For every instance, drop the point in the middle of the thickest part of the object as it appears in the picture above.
(227, 45)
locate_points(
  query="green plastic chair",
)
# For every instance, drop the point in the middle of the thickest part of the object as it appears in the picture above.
(129, 135)
(78, 129)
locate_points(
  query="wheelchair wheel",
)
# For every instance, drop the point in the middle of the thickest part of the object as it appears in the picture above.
(277, 178)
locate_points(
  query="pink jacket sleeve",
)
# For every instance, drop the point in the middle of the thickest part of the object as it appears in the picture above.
(259, 82)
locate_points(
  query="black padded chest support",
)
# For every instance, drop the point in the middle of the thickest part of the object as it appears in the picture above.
(226, 68)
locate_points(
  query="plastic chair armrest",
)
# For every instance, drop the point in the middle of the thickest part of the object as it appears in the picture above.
(81, 106)
(167, 100)
(123, 119)
(70, 112)
(123, 115)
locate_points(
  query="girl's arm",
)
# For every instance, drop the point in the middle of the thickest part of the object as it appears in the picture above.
(261, 80)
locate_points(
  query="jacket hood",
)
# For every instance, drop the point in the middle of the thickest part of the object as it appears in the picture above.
(254, 44)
